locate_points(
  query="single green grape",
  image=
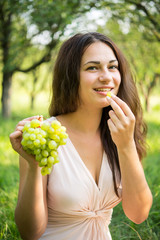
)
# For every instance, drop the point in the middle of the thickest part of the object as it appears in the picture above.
(37, 151)
(52, 144)
(36, 142)
(29, 143)
(43, 161)
(45, 153)
(26, 135)
(31, 130)
(35, 123)
(56, 160)
(32, 136)
(26, 127)
(58, 131)
(44, 146)
(43, 141)
(39, 136)
(51, 130)
(45, 126)
(49, 164)
(50, 160)
(55, 124)
(43, 171)
(43, 133)
(54, 153)
(36, 131)
(63, 129)
(63, 135)
(63, 142)
(39, 157)
(46, 170)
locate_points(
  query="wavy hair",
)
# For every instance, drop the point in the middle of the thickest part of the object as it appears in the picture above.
(65, 90)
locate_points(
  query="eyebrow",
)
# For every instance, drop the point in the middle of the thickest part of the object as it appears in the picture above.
(98, 62)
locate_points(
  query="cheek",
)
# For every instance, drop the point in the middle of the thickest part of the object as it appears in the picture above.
(85, 80)
(117, 79)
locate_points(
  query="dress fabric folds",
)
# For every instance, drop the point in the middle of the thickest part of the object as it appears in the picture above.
(78, 208)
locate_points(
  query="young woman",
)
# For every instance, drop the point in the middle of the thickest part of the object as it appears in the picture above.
(101, 163)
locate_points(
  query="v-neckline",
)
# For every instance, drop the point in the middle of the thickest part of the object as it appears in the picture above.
(86, 168)
(84, 165)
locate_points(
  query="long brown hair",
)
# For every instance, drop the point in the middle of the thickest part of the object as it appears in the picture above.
(65, 89)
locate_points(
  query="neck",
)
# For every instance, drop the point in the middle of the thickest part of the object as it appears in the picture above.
(84, 121)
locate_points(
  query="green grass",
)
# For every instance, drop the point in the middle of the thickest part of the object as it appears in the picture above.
(121, 228)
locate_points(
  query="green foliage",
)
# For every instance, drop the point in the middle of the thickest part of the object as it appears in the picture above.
(26, 25)
(145, 15)
(121, 227)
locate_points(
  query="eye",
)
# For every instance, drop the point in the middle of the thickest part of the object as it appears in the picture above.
(113, 67)
(92, 68)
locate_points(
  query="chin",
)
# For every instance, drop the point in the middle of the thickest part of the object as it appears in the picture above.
(104, 105)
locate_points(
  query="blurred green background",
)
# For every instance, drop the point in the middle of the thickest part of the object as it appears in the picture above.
(31, 32)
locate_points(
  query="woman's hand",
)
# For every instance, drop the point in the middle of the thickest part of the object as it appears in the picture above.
(121, 123)
(16, 138)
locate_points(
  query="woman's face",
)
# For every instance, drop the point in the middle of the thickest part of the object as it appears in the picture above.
(98, 74)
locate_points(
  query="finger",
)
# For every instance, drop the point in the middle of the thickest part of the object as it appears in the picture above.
(19, 128)
(22, 123)
(27, 120)
(31, 118)
(117, 109)
(114, 118)
(111, 126)
(125, 108)
(14, 137)
(15, 134)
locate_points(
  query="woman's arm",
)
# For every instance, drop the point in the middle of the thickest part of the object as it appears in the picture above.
(31, 214)
(136, 195)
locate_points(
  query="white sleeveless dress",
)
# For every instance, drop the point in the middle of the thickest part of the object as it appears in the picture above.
(78, 208)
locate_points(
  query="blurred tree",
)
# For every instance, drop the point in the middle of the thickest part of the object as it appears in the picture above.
(28, 27)
(38, 83)
(145, 14)
(148, 16)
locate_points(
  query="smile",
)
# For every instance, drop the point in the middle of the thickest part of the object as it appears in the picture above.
(102, 89)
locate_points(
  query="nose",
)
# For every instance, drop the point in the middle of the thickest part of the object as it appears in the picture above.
(105, 76)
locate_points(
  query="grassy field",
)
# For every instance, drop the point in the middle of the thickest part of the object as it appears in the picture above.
(121, 228)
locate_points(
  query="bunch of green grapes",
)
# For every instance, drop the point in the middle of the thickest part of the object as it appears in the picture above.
(42, 139)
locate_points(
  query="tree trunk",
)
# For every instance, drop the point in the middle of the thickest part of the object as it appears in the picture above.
(147, 103)
(33, 92)
(6, 94)
(7, 74)
(32, 101)
(149, 90)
